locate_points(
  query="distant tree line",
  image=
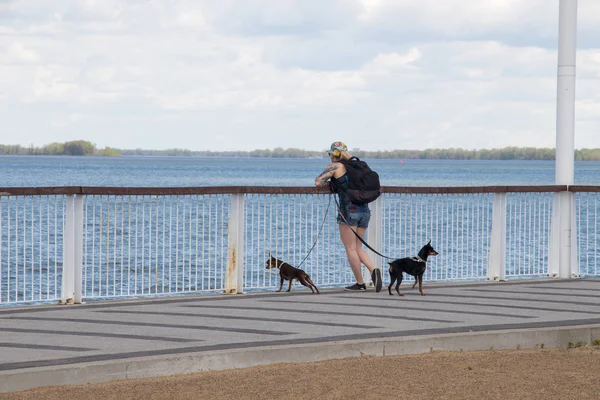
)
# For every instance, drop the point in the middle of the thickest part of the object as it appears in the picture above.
(71, 148)
(85, 148)
(506, 153)
(277, 152)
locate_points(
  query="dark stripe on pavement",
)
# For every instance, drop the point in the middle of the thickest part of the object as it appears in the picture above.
(412, 308)
(98, 334)
(235, 317)
(32, 346)
(171, 326)
(321, 312)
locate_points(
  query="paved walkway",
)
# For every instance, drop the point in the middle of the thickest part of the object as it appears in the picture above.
(52, 345)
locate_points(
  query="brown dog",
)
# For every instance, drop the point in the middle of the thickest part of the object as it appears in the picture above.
(289, 273)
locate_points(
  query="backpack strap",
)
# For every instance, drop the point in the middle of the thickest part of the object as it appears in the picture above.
(353, 158)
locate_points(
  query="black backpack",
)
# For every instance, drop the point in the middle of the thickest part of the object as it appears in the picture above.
(363, 182)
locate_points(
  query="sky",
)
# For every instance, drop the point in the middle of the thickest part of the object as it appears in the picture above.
(257, 74)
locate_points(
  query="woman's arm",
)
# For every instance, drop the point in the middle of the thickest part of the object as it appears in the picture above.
(324, 176)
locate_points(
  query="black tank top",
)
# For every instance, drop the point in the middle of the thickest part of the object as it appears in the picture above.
(340, 186)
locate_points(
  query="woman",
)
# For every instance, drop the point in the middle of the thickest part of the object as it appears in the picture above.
(350, 217)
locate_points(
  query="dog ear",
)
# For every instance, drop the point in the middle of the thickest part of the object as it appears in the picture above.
(429, 242)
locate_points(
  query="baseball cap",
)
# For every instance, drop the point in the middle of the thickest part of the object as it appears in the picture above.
(337, 147)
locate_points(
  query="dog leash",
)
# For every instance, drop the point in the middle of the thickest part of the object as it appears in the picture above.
(319, 233)
(357, 235)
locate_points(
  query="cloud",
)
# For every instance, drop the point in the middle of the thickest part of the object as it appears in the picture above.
(20, 54)
(394, 61)
(290, 73)
(283, 17)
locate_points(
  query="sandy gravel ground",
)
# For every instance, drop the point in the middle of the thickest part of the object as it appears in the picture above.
(548, 374)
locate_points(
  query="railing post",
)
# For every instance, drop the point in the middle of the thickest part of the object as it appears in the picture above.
(78, 250)
(71, 291)
(375, 235)
(497, 259)
(68, 273)
(563, 261)
(234, 280)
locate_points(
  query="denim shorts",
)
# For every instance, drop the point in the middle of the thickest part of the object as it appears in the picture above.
(356, 215)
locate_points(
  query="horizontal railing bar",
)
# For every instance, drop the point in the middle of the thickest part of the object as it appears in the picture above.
(39, 191)
(166, 191)
(583, 188)
(202, 190)
(474, 189)
(159, 191)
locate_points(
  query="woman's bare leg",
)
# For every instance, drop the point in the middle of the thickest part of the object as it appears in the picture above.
(354, 251)
(362, 254)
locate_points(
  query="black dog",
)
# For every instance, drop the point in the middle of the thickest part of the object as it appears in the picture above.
(414, 266)
(289, 273)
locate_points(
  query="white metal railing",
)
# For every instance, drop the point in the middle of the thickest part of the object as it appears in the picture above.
(31, 247)
(528, 234)
(104, 243)
(458, 224)
(147, 245)
(588, 239)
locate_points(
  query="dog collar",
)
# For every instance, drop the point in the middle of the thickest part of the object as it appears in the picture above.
(418, 259)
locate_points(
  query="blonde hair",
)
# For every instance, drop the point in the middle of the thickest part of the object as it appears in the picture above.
(341, 155)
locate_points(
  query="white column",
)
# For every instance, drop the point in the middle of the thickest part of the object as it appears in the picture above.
(68, 272)
(497, 257)
(78, 249)
(234, 280)
(562, 224)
